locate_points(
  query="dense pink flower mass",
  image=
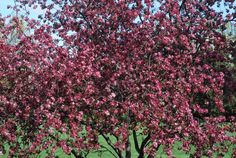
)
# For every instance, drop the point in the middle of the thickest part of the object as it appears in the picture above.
(117, 68)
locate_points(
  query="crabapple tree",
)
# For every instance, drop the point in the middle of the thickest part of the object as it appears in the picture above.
(116, 69)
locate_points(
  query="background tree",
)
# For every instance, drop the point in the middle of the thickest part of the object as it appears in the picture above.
(120, 68)
(229, 68)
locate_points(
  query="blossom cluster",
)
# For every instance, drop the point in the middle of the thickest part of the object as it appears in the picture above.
(117, 67)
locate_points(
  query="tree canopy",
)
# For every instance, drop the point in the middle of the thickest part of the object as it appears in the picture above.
(117, 67)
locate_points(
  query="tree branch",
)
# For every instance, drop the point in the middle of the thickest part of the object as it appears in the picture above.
(109, 150)
(76, 155)
(139, 15)
(128, 150)
(141, 153)
(111, 145)
(136, 145)
(181, 5)
(86, 20)
(145, 141)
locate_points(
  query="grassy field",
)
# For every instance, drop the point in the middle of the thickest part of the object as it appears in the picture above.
(105, 154)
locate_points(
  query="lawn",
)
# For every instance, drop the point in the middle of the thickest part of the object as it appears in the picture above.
(105, 154)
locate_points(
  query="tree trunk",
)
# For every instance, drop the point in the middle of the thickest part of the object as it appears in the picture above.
(128, 149)
(76, 155)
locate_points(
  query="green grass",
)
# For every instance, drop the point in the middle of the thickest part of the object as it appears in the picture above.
(105, 154)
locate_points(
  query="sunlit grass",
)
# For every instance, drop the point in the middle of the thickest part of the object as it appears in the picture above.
(102, 153)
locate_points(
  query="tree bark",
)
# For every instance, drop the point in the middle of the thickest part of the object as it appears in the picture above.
(128, 149)
(136, 145)
(141, 149)
(76, 155)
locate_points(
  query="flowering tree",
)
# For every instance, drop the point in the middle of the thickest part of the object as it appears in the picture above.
(116, 68)
(229, 70)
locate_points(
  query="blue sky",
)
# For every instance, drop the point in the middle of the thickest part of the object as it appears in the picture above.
(3, 6)
(4, 11)
(35, 12)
